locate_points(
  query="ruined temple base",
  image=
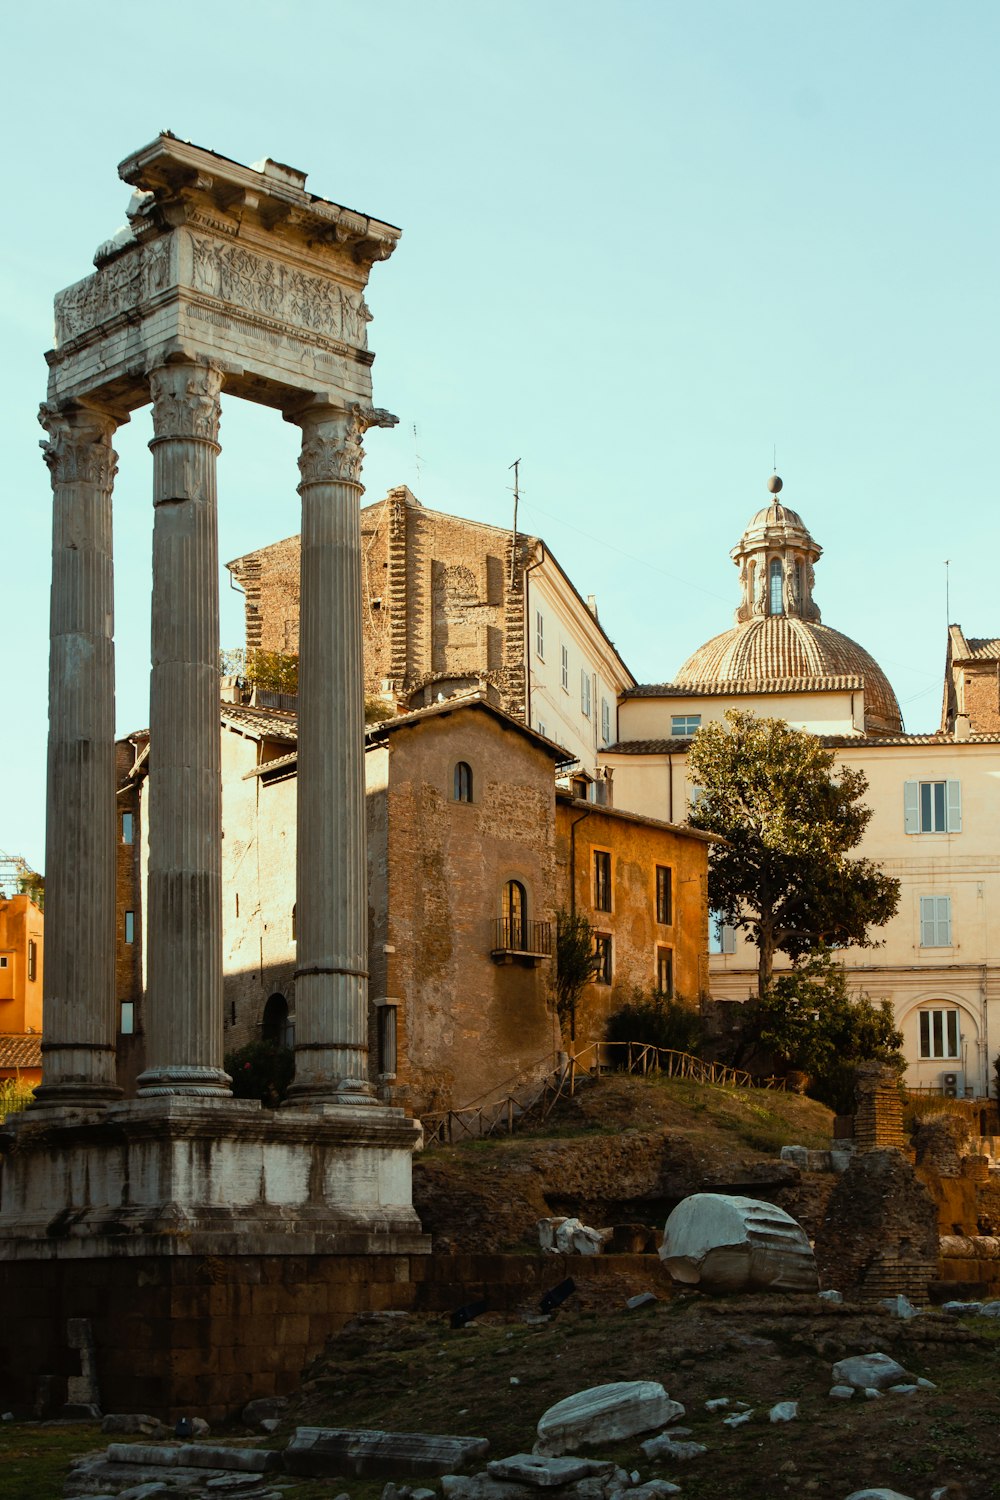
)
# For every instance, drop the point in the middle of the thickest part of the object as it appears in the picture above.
(177, 1175)
(190, 1335)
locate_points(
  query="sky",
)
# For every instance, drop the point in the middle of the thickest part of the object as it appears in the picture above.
(646, 248)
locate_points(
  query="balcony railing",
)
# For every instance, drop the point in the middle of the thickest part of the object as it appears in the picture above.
(515, 938)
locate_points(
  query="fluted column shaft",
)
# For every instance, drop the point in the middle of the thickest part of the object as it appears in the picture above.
(79, 981)
(331, 983)
(183, 1020)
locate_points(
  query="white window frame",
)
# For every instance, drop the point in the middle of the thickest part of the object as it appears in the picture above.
(916, 804)
(935, 922)
(585, 702)
(564, 669)
(940, 1032)
(680, 725)
(539, 635)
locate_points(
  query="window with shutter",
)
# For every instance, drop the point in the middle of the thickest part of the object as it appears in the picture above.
(935, 921)
(932, 807)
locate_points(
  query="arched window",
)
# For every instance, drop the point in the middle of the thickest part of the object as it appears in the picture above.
(515, 915)
(463, 782)
(777, 603)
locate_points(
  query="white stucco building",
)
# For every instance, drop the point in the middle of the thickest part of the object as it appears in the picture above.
(935, 800)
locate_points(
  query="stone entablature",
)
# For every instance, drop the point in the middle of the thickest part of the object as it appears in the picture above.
(236, 265)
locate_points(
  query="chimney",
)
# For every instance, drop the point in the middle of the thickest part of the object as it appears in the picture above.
(592, 604)
(963, 727)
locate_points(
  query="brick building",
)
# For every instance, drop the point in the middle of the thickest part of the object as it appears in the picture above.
(971, 684)
(470, 854)
(450, 607)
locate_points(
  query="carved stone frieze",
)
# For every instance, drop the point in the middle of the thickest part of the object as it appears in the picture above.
(78, 450)
(121, 286)
(331, 442)
(186, 401)
(260, 284)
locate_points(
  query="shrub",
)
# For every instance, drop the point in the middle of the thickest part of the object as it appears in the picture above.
(15, 1095)
(261, 1070)
(656, 1020)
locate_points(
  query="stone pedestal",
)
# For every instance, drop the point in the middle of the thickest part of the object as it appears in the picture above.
(186, 1175)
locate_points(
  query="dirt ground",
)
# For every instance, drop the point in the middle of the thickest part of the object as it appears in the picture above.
(495, 1379)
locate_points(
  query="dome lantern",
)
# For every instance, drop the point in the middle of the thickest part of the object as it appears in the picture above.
(775, 557)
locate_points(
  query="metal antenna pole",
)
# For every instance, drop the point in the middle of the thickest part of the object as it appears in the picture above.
(516, 465)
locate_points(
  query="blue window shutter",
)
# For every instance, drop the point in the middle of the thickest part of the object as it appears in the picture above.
(954, 807)
(911, 807)
(927, 921)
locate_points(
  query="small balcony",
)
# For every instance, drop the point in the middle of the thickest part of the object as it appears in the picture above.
(518, 941)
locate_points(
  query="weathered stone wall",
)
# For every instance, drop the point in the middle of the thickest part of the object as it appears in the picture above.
(982, 696)
(216, 1332)
(466, 1023)
(438, 600)
(878, 1112)
(879, 1236)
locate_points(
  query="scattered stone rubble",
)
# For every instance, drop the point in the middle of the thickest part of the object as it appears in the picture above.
(562, 1236)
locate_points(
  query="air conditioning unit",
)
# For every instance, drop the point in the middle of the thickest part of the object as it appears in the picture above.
(954, 1085)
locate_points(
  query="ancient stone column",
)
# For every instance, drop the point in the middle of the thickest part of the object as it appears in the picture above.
(331, 978)
(183, 1019)
(79, 983)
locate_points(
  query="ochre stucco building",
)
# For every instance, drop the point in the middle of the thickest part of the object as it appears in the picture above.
(22, 927)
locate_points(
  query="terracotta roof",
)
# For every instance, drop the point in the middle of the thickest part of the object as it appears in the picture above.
(600, 809)
(983, 648)
(261, 723)
(712, 688)
(374, 733)
(770, 648)
(679, 745)
(20, 1051)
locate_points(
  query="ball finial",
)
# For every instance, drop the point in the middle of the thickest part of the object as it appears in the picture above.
(774, 484)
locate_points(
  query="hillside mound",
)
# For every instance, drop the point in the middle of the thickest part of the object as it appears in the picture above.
(622, 1151)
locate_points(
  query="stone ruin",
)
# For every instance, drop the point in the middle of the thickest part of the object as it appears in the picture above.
(227, 280)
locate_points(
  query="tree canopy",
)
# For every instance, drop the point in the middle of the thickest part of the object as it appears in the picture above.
(809, 1019)
(789, 821)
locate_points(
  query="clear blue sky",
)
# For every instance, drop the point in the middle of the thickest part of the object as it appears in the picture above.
(642, 244)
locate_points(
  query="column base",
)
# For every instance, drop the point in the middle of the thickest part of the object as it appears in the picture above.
(199, 1176)
(82, 1095)
(347, 1091)
(182, 1079)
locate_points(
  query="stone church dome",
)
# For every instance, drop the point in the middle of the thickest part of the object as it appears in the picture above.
(778, 638)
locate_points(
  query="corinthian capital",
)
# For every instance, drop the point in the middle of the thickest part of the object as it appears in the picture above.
(79, 448)
(331, 442)
(186, 401)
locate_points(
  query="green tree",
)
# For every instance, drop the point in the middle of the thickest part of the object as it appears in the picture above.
(788, 821)
(576, 964)
(809, 1020)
